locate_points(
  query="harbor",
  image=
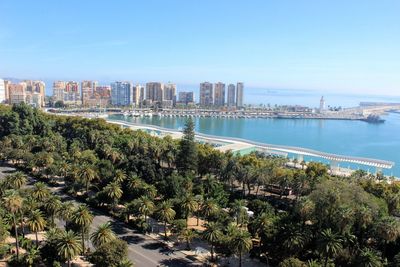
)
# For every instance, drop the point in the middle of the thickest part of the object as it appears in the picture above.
(371, 113)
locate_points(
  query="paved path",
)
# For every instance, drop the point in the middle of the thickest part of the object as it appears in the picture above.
(143, 250)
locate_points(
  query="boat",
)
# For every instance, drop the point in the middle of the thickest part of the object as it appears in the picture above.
(372, 118)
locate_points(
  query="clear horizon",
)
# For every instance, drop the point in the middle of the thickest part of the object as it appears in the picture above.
(342, 46)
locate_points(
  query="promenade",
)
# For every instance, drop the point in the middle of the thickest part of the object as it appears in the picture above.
(244, 146)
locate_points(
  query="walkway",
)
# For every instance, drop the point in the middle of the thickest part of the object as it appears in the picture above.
(237, 144)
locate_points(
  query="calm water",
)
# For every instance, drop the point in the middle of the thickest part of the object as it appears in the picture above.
(355, 138)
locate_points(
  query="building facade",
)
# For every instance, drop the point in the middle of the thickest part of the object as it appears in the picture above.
(170, 93)
(7, 91)
(29, 92)
(206, 94)
(239, 94)
(72, 94)
(101, 97)
(87, 90)
(35, 93)
(17, 93)
(58, 91)
(2, 91)
(136, 95)
(219, 94)
(231, 95)
(121, 93)
(186, 97)
(155, 92)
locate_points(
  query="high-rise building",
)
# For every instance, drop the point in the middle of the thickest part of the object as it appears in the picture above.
(35, 93)
(142, 93)
(206, 94)
(17, 93)
(2, 91)
(186, 97)
(71, 93)
(6, 90)
(170, 92)
(155, 91)
(58, 91)
(136, 90)
(231, 95)
(121, 93)
(239, 94)
(88, 88)
(219, 94)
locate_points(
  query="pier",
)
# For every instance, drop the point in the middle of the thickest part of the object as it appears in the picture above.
(241, 145)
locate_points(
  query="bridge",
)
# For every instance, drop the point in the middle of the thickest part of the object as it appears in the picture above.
(238, 144)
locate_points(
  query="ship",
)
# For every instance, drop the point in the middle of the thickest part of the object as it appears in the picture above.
(372, 118)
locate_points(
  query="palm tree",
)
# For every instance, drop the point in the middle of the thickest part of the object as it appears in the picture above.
(102, 235)
(13, 204)
(263, 225)
(330, 244)
(241, 243)
(16, 180)
(187, 235)
(145, 206)
(134, 183)
(303, 164)
(52, 206)
(36, 223)
(209, 207)
(369, 258)
(188, 204)
(294, 240)
(83, 217)
(63, 169)
(119, 176)
(32, 256)
(125, 263)
(389, 230)
(212, 234)
(114, 192)
(68, 246)
(40, 191)
(165, 213)
(87, 174)
(67, 211)
(237, 210)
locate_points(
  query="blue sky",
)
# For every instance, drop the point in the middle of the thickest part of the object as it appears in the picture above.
(345, 46)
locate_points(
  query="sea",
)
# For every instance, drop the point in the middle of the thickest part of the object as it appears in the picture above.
(351, 138)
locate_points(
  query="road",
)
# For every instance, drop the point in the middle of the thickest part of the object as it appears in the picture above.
(143, 250)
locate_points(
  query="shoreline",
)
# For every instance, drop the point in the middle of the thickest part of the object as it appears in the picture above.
(239, 144)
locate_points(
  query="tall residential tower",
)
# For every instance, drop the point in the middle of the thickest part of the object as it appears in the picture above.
(121, 93)
(231, 95)
(219, 94)
(239, 94)
(206, 94)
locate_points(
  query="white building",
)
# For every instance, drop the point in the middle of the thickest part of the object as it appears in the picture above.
(239, 94)
(2, 91)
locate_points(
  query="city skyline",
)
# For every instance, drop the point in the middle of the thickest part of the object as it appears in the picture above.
(267, 44)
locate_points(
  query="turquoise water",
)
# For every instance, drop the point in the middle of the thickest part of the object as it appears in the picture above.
(353, 138)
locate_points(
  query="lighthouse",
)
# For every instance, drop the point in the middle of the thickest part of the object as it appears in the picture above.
(322, 104)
